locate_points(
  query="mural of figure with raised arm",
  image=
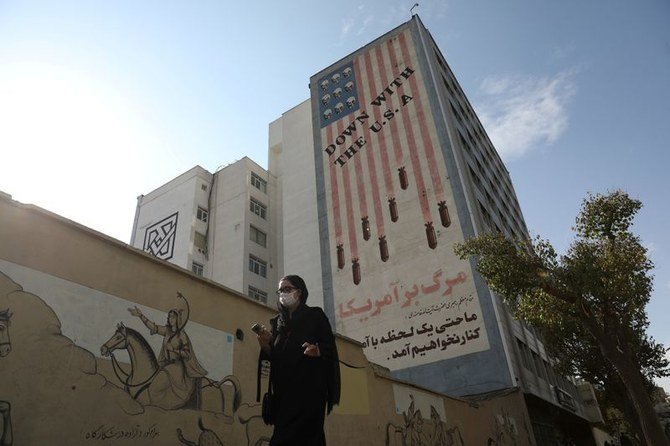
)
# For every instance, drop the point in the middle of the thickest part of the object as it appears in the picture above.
(174, 383)
(5, 407)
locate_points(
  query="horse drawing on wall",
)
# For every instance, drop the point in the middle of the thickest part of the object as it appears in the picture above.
(168, 385)
(5, 407)
(412, 433)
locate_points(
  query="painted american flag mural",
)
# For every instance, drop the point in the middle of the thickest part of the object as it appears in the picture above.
(397, 285)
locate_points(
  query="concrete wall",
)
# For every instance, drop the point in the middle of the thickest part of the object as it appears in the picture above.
(291, 161)
(229, 228)
(68, 290)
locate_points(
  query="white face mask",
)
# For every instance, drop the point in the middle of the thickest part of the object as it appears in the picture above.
(288, 299)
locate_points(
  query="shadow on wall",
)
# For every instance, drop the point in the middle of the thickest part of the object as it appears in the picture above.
(58, 395)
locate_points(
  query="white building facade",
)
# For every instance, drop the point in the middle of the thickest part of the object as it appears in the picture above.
(217, 225)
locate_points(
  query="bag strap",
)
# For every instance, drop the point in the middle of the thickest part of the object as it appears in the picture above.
(261, 358)
(258, 378)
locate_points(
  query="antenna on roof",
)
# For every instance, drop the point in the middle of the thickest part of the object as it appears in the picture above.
(412, 8)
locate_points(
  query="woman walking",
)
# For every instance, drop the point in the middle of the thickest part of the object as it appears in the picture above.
(305, 374)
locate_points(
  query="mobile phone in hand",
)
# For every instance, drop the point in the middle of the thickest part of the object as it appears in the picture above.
(256, 328)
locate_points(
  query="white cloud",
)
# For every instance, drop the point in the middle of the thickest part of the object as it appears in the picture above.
(562, 52)
(367, 24)
(650, 247)
(522, 112)
(347, 24)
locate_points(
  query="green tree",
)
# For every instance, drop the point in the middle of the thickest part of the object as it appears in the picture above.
(590, 301)
(576, 353)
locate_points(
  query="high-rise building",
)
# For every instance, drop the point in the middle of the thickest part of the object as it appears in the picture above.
(218, 225)
(399, 169)
(370, 184)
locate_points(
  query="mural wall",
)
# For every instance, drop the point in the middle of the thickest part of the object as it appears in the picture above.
(101, 343)
(124, 389)
(391, 222)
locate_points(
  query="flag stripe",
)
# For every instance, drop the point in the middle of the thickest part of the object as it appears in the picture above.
(350, 219)
(423, 127)
(372, 167)
(386, 168)
(383, 72)
(411, 142)
(358, 168)
(335, 193)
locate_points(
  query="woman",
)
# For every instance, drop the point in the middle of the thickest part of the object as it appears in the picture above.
(173, 385)
(304, 369)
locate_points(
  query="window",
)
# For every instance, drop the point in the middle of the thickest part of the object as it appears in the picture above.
(259, 183)
(257, 266)
(258, 236)
(258, 209)
(202, 214)
(197, 268)
(200, 241)
(539, 365)
(550, 373)
(439, 58)
(258, 295)
(525, 355)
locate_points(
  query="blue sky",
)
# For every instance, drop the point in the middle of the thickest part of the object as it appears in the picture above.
(103, 101)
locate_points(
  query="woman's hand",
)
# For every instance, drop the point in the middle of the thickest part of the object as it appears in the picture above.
(311, 350)
(264, 338)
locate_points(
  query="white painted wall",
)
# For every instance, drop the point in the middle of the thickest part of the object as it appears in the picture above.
(291, 160)
(229, 243)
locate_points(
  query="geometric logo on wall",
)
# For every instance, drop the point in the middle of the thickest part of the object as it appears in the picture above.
(159, 238)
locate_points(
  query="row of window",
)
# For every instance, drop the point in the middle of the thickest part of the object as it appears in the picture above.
(485, 149)
(494, 171)
(255, 180)
(258, 266)
(255, 235)
(257, 208)
(533, 362)
(255, 265)
(468, 121)
(540, 367)
(202, 214)
(254, 206)
(259, 183)
(257, 294)
(511, 217)
(258, 236)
